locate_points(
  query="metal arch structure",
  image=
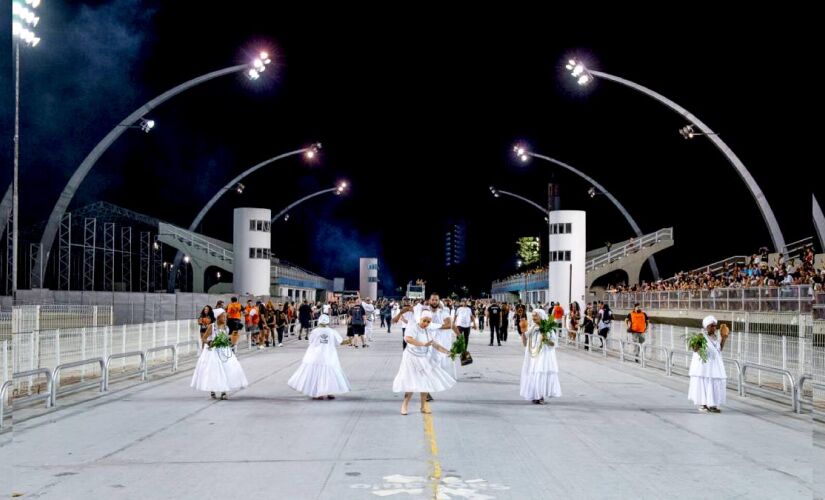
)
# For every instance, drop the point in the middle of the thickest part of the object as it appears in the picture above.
(522, 198)
(636, 229)
(199, 218)
(82, 171)
(298, 202)
(764, 207)
(819, 222)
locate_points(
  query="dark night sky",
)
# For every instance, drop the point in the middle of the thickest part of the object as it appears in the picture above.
(420, 116)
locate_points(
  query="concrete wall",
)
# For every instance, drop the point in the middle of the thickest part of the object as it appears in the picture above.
(369, 278)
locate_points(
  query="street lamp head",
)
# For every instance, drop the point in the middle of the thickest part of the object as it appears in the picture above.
(286, 217)
(591, 192)
(521, 152)
(687, 132)
(258, 66)
(146, 125)
(579, 72)
(239, 188)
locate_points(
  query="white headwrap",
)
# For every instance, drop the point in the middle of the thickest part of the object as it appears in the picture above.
(323, 319)
(426, 314)
(217, 312)
(541, 312)
(709, 320)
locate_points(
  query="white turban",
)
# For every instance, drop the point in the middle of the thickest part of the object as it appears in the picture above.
(217, 312)
(541, 312)
(426, 314)
(323, 319)
(709, 320)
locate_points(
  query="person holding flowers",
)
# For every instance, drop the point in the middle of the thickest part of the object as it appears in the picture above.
(708, 378)
(218, 369)
(540, 370)
(419, 372)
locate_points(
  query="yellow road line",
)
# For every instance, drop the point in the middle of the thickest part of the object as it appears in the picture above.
(429, 432)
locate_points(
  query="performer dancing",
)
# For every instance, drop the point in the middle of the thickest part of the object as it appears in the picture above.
(320, 374)
(540, 370)
(218, 369)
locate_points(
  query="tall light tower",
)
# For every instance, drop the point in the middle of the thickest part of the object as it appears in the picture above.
(23, 21)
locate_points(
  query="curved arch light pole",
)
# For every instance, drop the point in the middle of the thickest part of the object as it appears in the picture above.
(310, 151)
(339, 189)
(584, 76)
(253, 71)
(525, 155)
(543, 210)
(819, 222)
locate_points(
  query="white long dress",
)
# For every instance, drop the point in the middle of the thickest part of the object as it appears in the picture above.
(320, 373)
(445, 339)
(419, 372)
(539, 371)
(218, 369)
(708, 380)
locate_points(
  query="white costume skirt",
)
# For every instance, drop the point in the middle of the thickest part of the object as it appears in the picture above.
(707, 391)
(421, 374)
(218, 370)
(540, 376)
(319, 380)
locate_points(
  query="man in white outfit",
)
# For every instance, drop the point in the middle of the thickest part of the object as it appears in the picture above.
(370, 310)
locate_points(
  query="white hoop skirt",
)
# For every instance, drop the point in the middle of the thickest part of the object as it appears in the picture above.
(317, 380)
(421, 373)
(540, 375)
(218, 370)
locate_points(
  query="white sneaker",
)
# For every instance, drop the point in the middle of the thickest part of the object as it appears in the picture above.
(280, 345)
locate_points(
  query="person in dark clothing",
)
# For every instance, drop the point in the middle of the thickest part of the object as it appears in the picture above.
(305, 317)
(494, 320)
(505, 321)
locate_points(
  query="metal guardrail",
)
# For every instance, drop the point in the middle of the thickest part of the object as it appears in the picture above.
(591, 342)
(3, 389)
(800, 386)
(79, 386)
(779, 371)
(785, 298)
(47, 396)
(162, 348)
(196, 343)
(624, 343)
(740, 374)
(630, 247)
(662, 349)
(141, 369)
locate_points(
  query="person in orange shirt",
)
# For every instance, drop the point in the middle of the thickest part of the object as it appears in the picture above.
(233, 314)
(637, 323)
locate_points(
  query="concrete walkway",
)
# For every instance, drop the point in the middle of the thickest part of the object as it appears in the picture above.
(618, 432)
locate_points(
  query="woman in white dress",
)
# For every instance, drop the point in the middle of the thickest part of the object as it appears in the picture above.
(708, 380)
(418, 371)
(320, 374)
(218, 369)
(540, 370)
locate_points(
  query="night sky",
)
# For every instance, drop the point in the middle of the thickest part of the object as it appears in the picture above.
(419, 111)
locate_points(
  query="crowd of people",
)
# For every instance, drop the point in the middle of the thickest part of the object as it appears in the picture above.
(754, 273)
(429, 331)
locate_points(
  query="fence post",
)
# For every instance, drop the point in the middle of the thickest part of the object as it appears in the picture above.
(5, 347)
(784, 360)
(57, 347)
(83, 349)
(759, 357)
(177, 332)
(140, 337)
(123, 346)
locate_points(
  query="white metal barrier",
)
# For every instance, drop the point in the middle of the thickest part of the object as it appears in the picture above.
(766, 390)
(81, 385)
(140, 371)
